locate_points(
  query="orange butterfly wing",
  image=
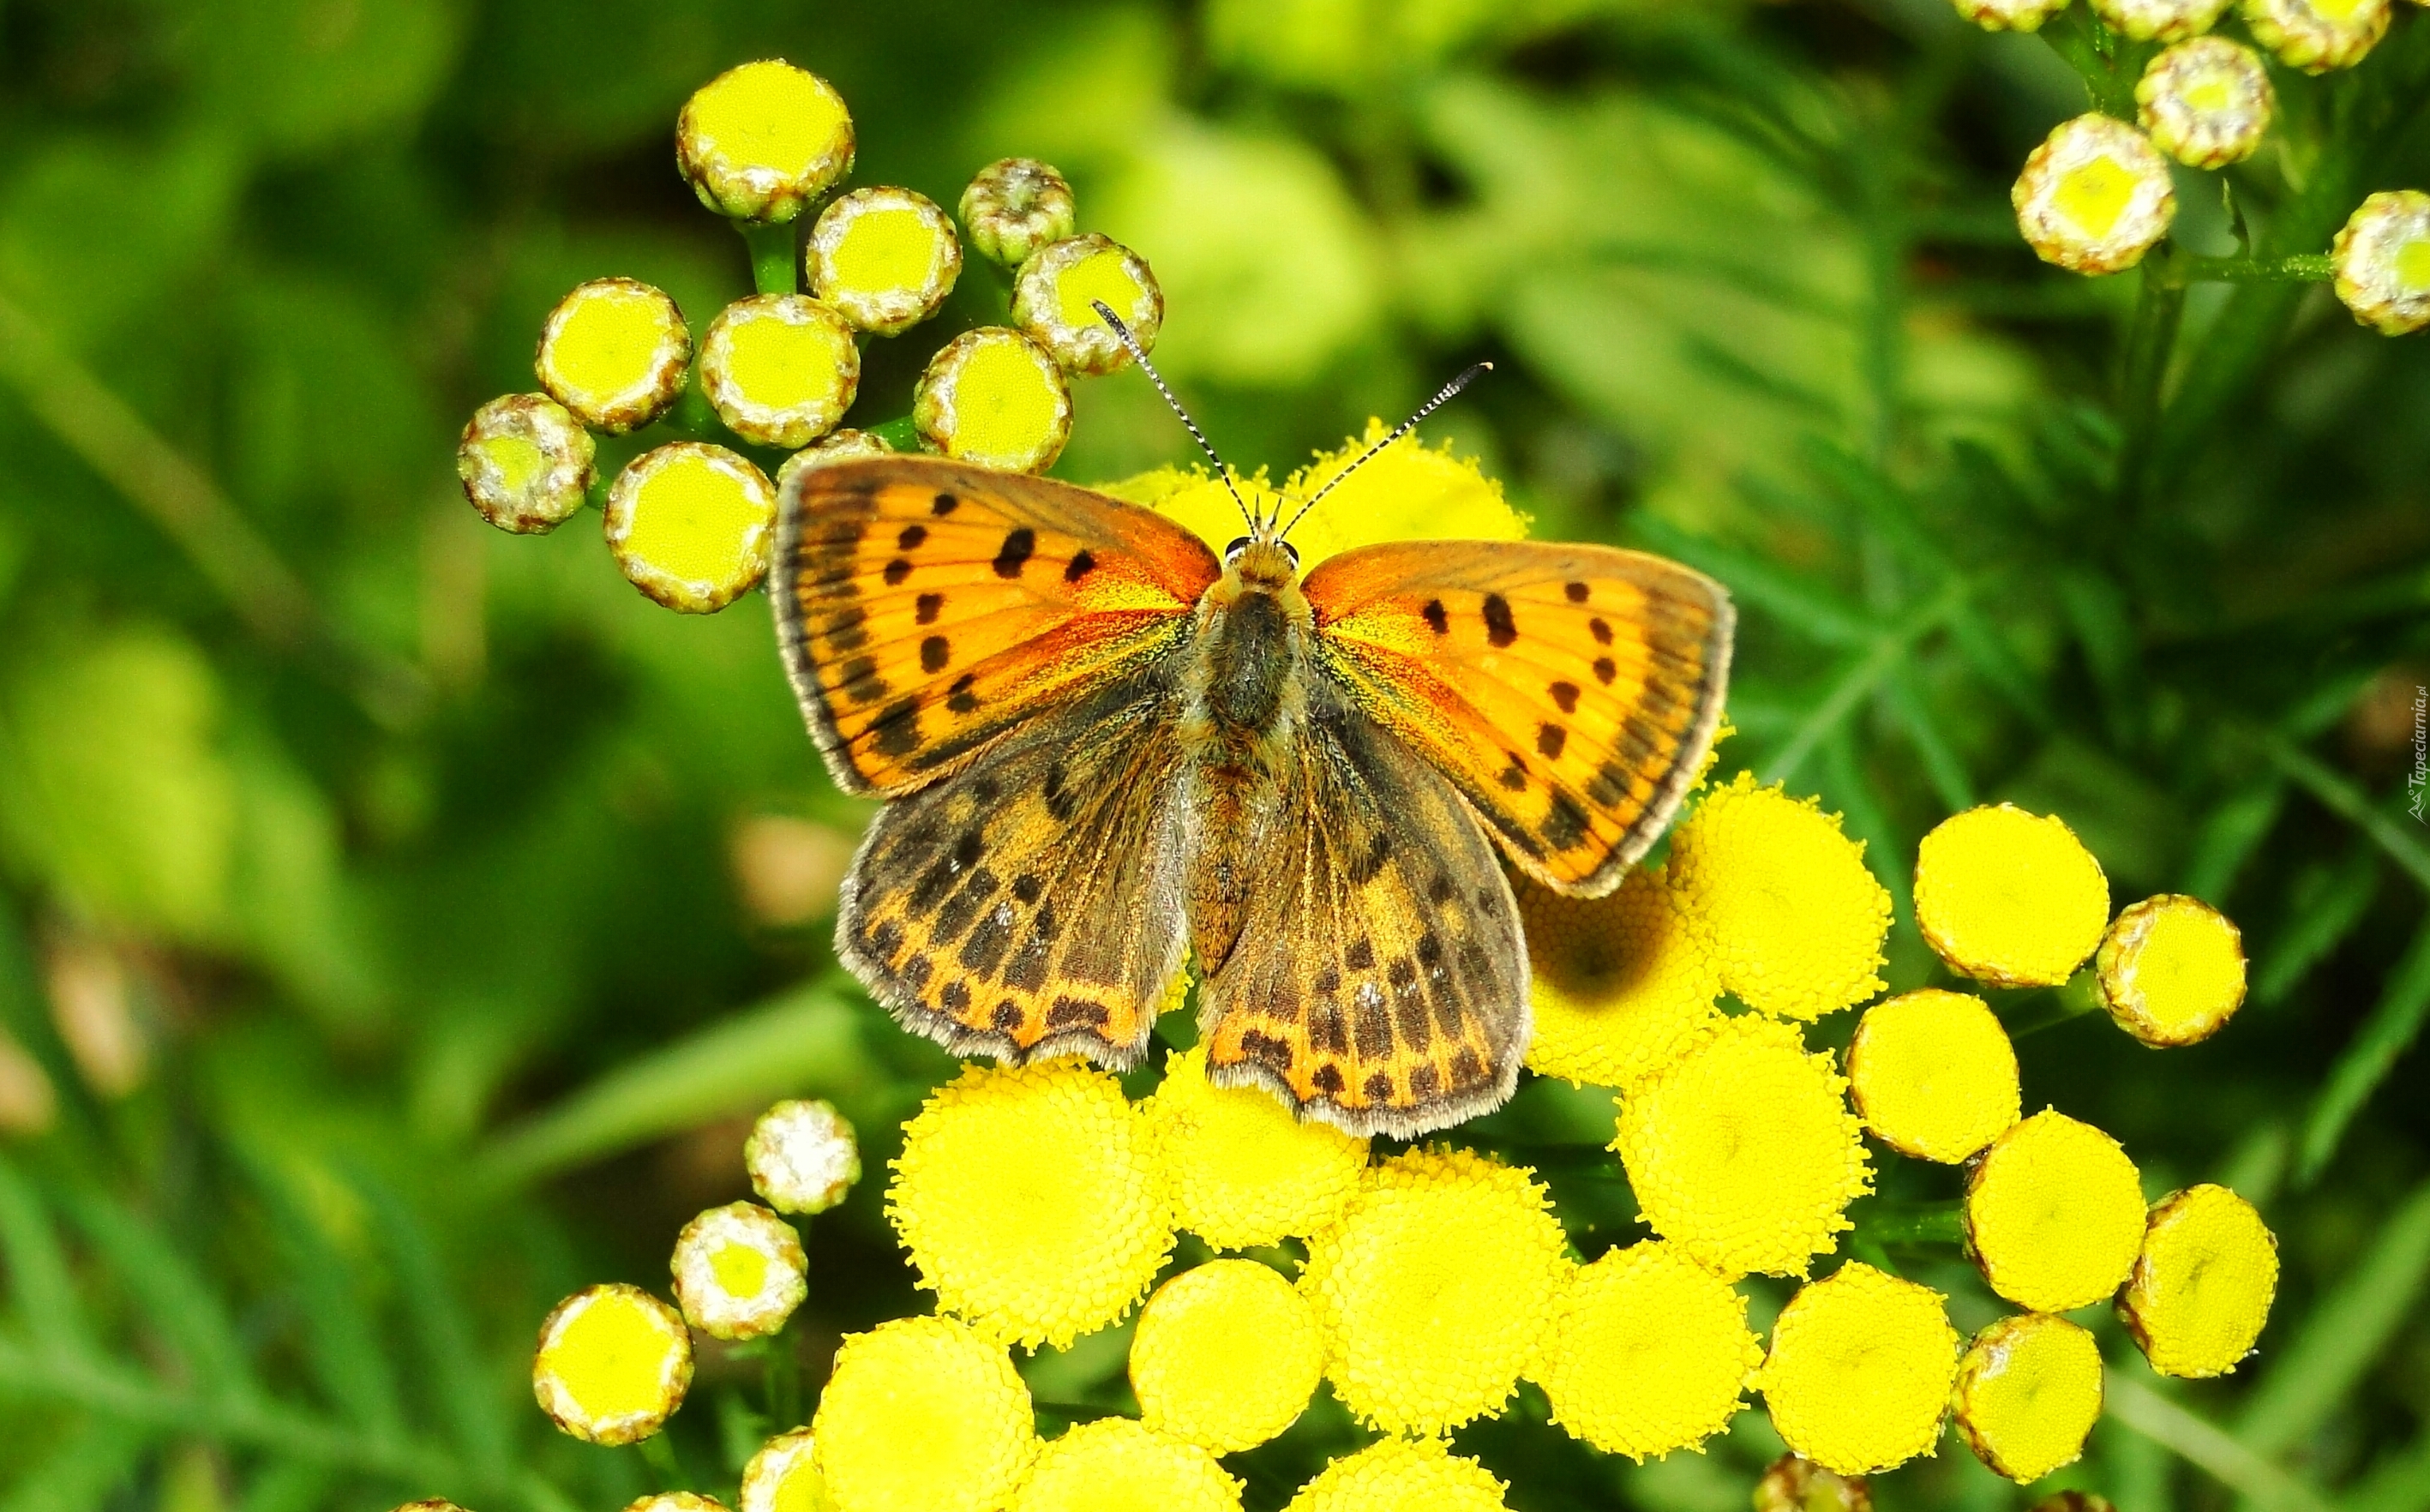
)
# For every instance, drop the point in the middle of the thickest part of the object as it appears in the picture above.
(1570, 692)
(927, 607)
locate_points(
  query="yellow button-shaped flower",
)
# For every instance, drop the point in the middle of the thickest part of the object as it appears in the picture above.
(2202, 1288)
(1242, 1171)
(779, 368)
(2207, 102)
(2094, 196)
(2381, 263)
(2171, 971)
(1934, 1075)
(1621, 986)
(1015, 206)
(1742, 1152)
(2011, 15)
(738, 1270)
(525, 464)
(883, 259)
(993, 396)
(675, 1502)
(1859, 1370)
(1056, 295)
(2054, 1213)
(784, 1476)
(2319, 35)
(1650, 1353)
(1116, 1465)
(1435, 1290)
(613, 1364)
(691, 525)
(2168, 21)
(835, 446)
(615, 351)
(1782, 899)
(2028, 1394)
(1030, 1201)
(922, 1415)
(760, 142)
(802, 1157)
(2010, 898)
(1226, 1356)
(1394, 1474)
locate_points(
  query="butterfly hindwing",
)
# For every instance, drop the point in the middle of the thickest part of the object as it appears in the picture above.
(1569, 691)
(1030, 902)
(926, 607)
(1379, 980)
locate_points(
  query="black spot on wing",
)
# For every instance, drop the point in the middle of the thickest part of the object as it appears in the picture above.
(1604, 670)
(1566, 695)
(1500, 629)
(1602, 632)
(927, 607)
(1565, 822)
(1576, 591)
(1550, 738)
(897, 727)
(934, 652)
(1082, 563)
(1019, 544)
(958, 698)
(944, 505)
(897, 571)
(1438, 617)
(912, 537)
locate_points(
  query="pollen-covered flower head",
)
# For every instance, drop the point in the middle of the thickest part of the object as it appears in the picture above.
(1226, 1356)
(2381, 263)
(1030, 1201)
(2166, 20)
(1436, 1290)
(1056, 295)
(779, 368)
(525, 464)
(615, 351)
(760, 142)
(922, 1415)
(2094, 196)
(1650, 1352)
(2201, 1290)
(883, 259)
(994, 397)
(2054, 1213)
(1859, 1370)
(2010, 898)
(2028, 1393)
(2319, 35)
(1118, 1465)
(1400, 1473)
(1782, 899)
(2011, 15)
(2171, 971)
(802, 1157)
(1934, 1075)
(1243, 1172)
(2207, 103)
(1015, 206)
(612, 1365)
(1742, 1152)
(783, 1476)
(739, 1272)
(1620, 984)
(691, 525)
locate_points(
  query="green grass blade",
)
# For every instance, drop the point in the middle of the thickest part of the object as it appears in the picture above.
(92, 1461)
(445, 1334)
(2205, 1445)
(38, 1268)
(287, 1485)
(2390, 1030)
(2320, 924)
(2399, 1483)
(340, 1338)
(2229, 836)
(173, 1296)
(1981, 648)
(1951, 782)
(1816, 613)
(2349, 803)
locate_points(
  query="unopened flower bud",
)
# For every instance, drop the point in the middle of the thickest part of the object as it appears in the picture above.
(2319, 35)
(761, 142)
(835, 446)
(615, 351)
(2207, 103)
(525, 463)
(2095, 196)
(885, 258)
(779, 368)
(2011, 15)
(1795, 1484)
(739, 1272)
(1056, 295)
(783, 1476)
(690, 525)
(2166, 20)
(613, 1364)
(994, 397)
(1014, 206)
(802, 1157)
(2382, 259)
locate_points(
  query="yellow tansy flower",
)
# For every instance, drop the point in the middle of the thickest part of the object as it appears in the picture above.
(525, 464)
(1226, 1356)
(739, 1272)
(2054, 1213)
(1650, 1352)
(2171, 971)
(1782, 899)
(2010, 898)
(675, 1502)
(922, 1415)
(2201, 1290)
(1395, 1474)
(2094, 196)
(1792, 1482)
(2381, 258)
(761, 140)
(842, 445)
(1621, 986)
(1243, 1172)
(2011, 15)
(615, 351)
(691, 525)
(1056, 295)
(1934, 1075)
(2207, 102)
(992, 396)
(1436, 1289)
(784, 1476)
(1029, 1201)
(613, 1364)
(2319, 35)
(1116, 1465)
(883, 259)
(2166, 20)
(1742, 1152)
(779, 368)
(1859, 1370)
(2028, 1393)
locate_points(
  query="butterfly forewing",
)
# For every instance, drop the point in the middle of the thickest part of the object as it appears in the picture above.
(1569, 691)
(927, 607)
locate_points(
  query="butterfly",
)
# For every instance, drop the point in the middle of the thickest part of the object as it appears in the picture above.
(1105, 751)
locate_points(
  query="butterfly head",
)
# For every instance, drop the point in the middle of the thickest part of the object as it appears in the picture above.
(1260, 562)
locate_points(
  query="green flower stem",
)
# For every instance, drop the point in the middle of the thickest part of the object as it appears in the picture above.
(660, 1457)
(784, 1381)
(2300, 268)
(2110, 65)
(775, 263)
(1884, 1223)
(2151, 340)
(2031, 1013)
(899, 432)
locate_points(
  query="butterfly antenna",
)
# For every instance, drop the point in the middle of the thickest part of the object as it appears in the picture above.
(1138, 354)
(1450, 390)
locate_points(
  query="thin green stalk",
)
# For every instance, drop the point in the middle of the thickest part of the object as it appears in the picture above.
(2298, 268)
(775, 263)
(784, 1382)
(1887, 1223)
(2151, 341)
(2203, 1443)
(2394, 1025)
(899, 432)
(660, 1457)
(1866, 675)
(2348, 803)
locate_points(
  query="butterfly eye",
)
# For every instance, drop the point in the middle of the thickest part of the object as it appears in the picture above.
(1232, 552)
(1293, 552)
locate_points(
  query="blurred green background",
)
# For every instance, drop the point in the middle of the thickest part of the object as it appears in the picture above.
(399, 922)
